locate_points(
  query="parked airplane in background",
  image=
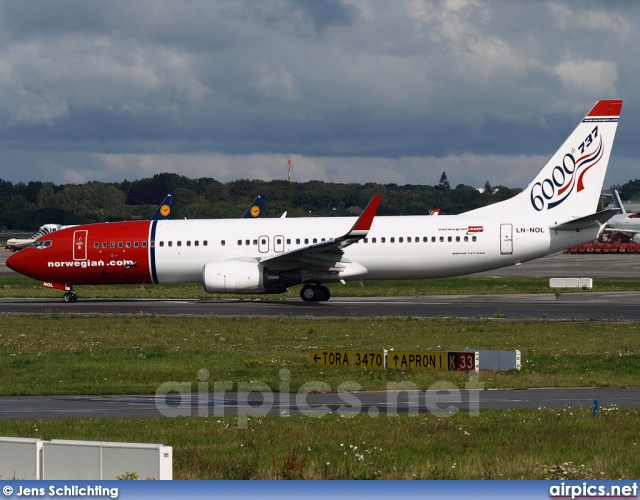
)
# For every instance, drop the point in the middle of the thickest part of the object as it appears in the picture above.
(555, 212)
(624, 222)
(15, 244)
(255, 209)
(164, 209)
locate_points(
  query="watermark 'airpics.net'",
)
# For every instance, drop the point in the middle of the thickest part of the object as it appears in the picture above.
(256, 399)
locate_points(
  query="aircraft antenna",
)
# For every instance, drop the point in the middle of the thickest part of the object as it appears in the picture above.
(289, 169)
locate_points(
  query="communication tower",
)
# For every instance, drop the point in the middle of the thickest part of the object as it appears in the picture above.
(289, 169)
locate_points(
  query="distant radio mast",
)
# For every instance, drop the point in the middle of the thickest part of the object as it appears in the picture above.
(289, 169)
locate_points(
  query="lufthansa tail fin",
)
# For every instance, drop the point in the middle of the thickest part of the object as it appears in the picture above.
(569, 185)
(255, 209)
(164, 209)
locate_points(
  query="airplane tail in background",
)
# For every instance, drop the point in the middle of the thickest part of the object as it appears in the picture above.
(164, 209)
(255, 209)
(618, 202)
(569, 185)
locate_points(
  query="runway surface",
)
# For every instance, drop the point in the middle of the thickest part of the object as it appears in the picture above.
(257, 404)
(568, 306)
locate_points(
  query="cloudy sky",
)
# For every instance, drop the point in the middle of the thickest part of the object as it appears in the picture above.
(352, 90)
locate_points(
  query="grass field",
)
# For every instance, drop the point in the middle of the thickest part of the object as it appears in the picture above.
(85, 354)
(517, 444)
(78, 354)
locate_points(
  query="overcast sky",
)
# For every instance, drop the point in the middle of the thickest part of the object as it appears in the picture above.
(352, 90)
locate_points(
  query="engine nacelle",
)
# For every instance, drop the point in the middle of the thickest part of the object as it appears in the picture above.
(233, 276)
(636, 238)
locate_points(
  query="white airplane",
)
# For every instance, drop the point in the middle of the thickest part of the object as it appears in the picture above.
(555, 212)
(624, 222)
(15, 244)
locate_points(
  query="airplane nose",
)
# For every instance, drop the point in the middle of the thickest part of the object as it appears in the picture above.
(18, 262)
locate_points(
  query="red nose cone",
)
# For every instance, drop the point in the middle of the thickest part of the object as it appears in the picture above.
(17, 262)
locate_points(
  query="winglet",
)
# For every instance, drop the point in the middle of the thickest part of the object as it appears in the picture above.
(363, 224)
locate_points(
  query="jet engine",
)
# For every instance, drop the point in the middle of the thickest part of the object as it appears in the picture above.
(233, 276)
(636, 238)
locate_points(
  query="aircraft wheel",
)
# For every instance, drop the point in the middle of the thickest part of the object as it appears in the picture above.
(325, 293)
(309, 293)
(67, 297)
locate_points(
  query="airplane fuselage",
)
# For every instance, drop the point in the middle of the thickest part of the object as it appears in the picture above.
(176, 251)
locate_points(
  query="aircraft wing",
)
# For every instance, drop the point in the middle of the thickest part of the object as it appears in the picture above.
(326, 254)
(589, 221)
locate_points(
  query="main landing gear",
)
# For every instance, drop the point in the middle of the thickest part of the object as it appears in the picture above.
(70, 296)
(315, 293)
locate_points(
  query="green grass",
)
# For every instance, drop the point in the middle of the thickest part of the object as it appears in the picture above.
(78, 354)
(92, 354)
(20, 286)
(513, 444)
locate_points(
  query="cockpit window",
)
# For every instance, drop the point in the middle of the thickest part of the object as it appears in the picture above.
(41, 244)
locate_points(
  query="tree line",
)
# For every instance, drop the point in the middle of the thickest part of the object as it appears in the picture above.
(26, 206)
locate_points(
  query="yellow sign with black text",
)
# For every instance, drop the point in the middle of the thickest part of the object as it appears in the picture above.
(417, 360)
(336, 358)
(370, 359)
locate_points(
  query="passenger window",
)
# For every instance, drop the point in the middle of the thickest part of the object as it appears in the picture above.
(128, 244)
(239, 242)
(104, 244)
(449, 239)
(170, 243)
(366, 240)
(433, 239)
(222, 243)
(441, 239)
(408, 239)
(112, 244)
(247, 242)
(425, 239)
(144, 244)
(119, 244)
(196, 243)
(373, 240)
(382, 240)
(306, 241)
(162, 243)
(136, 244)
(473, 238)
(297, 241)
(400, 239)
(188, 243)
(315, 240)
(96, 245)
(457, 238)
(179, 243)
(466, 238)
(204, 243)
(392, 239)
(255, 242)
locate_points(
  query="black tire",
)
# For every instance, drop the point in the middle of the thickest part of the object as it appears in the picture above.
(309, 293)
(325, 293)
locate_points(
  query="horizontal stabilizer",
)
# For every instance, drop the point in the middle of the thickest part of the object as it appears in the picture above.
(587, 222)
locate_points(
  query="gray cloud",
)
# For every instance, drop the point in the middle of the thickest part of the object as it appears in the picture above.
(355, 90)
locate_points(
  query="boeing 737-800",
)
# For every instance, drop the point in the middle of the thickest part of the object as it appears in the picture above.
(555, 212)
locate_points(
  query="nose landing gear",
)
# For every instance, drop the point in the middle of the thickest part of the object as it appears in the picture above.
(315, 293)
(70, 296)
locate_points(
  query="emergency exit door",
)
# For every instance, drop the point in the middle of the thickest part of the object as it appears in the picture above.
(506, 239)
